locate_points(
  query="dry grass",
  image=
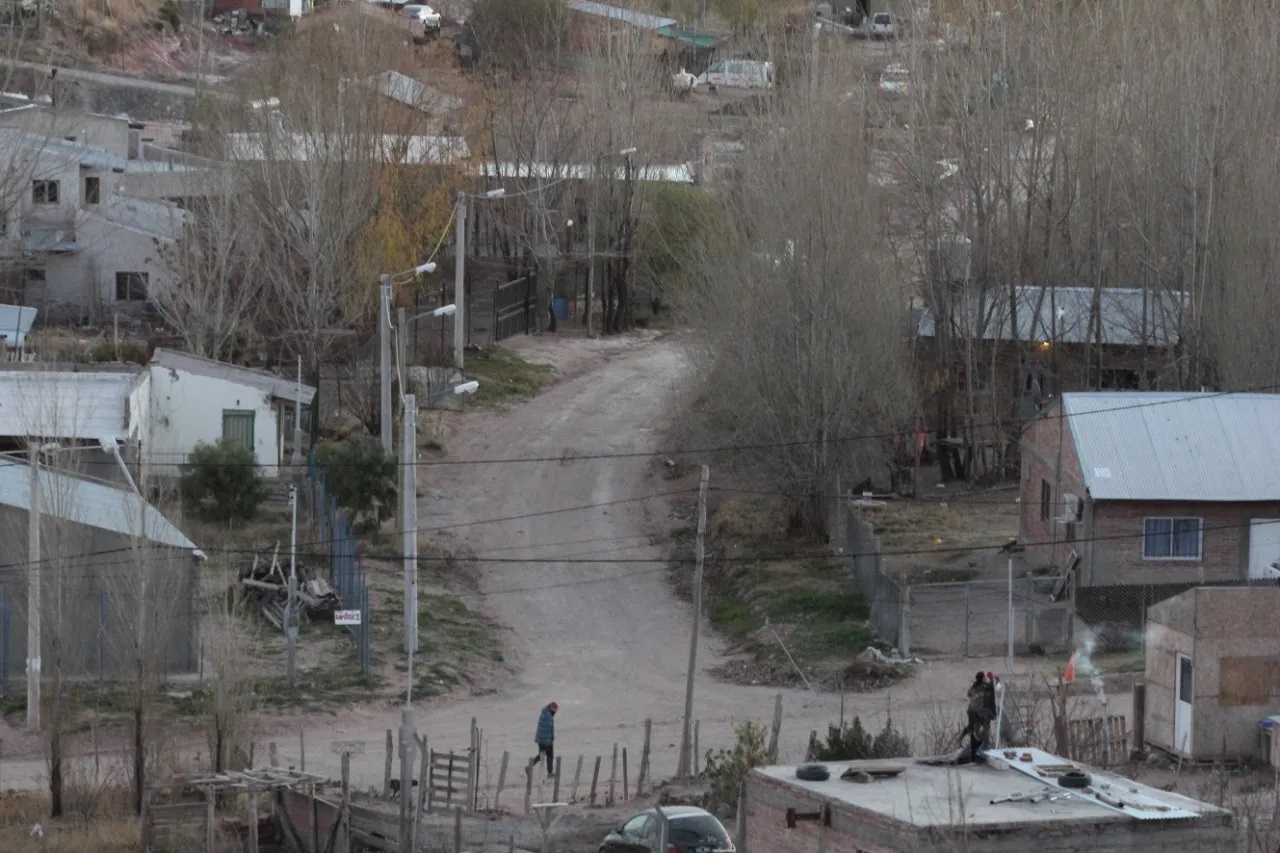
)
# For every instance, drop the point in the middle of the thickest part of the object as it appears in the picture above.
(113, 829)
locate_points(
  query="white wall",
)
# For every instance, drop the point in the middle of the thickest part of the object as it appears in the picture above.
(108, 248)
(186, 409)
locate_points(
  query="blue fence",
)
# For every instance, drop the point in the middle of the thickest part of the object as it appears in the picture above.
(346, 575)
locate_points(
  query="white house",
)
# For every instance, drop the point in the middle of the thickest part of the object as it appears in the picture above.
(157, 413)
(190, 400)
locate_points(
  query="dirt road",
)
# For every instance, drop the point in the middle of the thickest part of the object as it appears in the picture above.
(607, 640)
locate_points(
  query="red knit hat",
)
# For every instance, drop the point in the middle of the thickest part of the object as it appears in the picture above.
(553, 706)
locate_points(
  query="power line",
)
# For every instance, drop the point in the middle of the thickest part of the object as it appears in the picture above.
(569, 457)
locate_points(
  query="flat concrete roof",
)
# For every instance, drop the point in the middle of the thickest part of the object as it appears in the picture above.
(926, 796)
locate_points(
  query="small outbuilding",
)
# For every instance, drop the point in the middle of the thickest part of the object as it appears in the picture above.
(1014, 805)
(1213, 671)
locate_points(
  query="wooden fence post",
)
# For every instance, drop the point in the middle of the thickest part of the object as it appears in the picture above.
(424, 767)
(740, 823)
(613, 776)
(386, 775)
(253, 820)
(144, 823)
(776, 728)
(555, 788)
(697, 725)
(313, 816)
(210, 818)
(595, 777)
(577, 777)
(528, 790)
(643, 773)
(457, 830)
(626, 788)
(344, 814)
(502, 779)
(273, 755)
(302, 750)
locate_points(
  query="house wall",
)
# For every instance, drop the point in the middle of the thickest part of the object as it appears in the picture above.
(1236, 669)
(1117, 547)
(855, 830)
(1048, 455)
(101, 594)
(72, 125)
(1169, 632)
(186, 409)
(110, 248)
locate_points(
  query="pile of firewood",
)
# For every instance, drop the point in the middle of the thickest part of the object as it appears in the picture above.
(266, 584)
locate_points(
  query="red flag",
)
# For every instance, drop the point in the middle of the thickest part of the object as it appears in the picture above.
(1070, 674)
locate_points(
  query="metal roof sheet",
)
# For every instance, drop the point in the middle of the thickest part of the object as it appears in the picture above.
(89, 503)
(629, 16)
(1158, 446)
(1130, 316)
(276, 386)
(65, 404)
(15, 323)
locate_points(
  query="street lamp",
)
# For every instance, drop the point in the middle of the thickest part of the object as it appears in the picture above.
(384, 345)
(460, 272)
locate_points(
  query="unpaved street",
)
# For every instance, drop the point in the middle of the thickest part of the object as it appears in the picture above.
(607, 640)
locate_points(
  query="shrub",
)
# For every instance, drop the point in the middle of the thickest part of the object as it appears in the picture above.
(361, 477)
(727, 769)
(221, 482)
(852, 742)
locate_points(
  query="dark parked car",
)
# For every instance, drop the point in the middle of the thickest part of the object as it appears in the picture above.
(691, 830)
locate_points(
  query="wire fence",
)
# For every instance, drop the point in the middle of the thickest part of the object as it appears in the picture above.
(972, 618)
(346, 575)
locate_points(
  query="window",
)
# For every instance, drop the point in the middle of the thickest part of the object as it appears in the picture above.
(1171, 538)
(1046, 500)
(237, 426)
(637, 827)
(44, 192)
(1070, 534)
(131, 286)
(34, 276)
(92, 190)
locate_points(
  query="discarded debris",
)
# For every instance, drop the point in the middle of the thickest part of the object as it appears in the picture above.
(266, 583)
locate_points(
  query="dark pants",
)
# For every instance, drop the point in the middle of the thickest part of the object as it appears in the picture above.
(979, 730)
(549, 750)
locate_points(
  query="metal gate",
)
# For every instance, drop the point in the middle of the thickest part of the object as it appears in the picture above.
(513, 307)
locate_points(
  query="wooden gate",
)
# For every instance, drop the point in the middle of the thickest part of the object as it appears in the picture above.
(513, 307)
(451, 781)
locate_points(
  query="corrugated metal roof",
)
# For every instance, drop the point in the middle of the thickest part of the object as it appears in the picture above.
(301, 147)
(1130, 316)
(1155, 446)
(89, 503)
(63, 404)
(413, 93)
(628, 16)
(15, 323)
(681, 173)
(276, 386)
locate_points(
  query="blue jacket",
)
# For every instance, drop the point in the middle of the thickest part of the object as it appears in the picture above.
(546, 733)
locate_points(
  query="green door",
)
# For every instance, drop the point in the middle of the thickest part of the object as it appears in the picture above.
(237, 426)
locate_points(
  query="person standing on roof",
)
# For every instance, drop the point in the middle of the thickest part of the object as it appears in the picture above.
(545, 738)
(979, 722)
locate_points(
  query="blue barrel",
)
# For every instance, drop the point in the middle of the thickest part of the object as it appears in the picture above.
(562, 308)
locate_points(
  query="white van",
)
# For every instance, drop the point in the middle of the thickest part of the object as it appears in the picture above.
(738, 74)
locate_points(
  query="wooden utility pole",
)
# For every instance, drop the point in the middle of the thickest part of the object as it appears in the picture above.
(33, 591)
(686, 744)
(291, 611)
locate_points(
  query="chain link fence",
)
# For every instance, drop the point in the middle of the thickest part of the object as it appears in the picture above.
(346, 575)
(969, 618)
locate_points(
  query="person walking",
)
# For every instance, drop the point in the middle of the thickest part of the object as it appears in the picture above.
(545, 738)
(979, 726)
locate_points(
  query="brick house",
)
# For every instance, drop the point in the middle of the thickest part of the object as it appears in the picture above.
(926, 808)
(1137, 496)
(1213, 673)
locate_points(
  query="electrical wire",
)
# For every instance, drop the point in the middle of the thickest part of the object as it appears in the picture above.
(774, 445)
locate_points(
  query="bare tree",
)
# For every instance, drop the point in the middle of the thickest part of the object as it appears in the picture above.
(804, 332)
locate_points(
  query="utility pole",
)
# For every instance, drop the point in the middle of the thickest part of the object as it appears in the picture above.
(686, 747)
(384, 357)
(409, 515)
(296, 457)
(33, 591)
(291, 613)
(460, 284)
(591, 263)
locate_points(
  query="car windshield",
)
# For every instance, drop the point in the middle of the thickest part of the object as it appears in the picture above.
(697, 827)
(882, 18)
